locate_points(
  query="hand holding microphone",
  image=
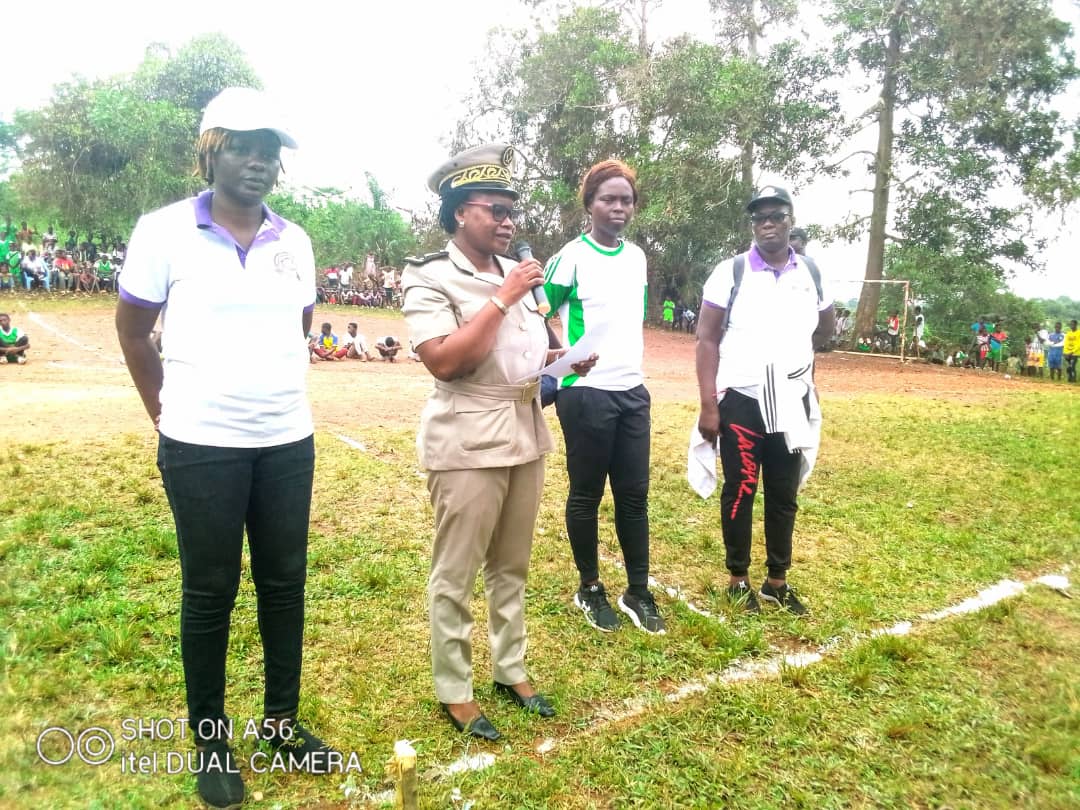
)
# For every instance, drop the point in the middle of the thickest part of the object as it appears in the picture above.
(522, 252)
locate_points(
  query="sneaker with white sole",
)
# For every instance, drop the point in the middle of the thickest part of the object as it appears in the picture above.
(643, 612)
(782, 597)
(593, 601)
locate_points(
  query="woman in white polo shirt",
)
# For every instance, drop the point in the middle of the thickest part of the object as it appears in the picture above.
(235, 449)
(598, 285)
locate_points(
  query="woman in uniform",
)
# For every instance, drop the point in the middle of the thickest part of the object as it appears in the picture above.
(482, 437)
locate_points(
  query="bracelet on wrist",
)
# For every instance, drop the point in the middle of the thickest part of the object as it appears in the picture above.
(502, 307)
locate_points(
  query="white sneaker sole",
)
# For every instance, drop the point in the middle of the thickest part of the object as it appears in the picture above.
(637, 622)
(588, 616)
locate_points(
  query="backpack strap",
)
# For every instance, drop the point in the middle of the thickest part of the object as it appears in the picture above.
(811, 265)
(737, 269)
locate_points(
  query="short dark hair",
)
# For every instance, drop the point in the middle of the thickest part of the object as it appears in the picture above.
(390, 341)
(451, 201)
(352, 323)
(327, 326)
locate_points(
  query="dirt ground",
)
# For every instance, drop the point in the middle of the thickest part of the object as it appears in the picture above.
(76, 384)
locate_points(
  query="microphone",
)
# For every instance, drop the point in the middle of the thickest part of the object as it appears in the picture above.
(522, 251)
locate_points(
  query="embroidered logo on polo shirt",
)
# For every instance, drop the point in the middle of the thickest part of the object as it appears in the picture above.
(285, 263)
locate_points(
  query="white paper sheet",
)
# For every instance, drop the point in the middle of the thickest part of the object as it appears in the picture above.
(578, 352)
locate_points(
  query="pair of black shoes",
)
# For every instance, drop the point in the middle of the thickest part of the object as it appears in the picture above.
(218, 777)
(481, 727)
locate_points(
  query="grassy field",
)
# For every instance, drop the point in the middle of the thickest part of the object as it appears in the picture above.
(916, 503)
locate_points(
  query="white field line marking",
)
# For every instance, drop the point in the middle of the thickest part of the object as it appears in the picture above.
(82, 367)
(33, 316)
(740, 671)
(771, 667)
(353, 443)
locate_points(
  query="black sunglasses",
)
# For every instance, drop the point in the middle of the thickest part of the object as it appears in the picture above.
(775, 217)
(499, 212)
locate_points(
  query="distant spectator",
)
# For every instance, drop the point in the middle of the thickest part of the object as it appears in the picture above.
(13, 346)
(33, 270)
(326, 345)
(63, 272)
(799, 240)
(104, 271)
(1071, 349)
(894, 330)
(1055, 350)
(982, 347)
(347, 276)
(48, 239)
(332, 278)
(997, 344)
(25, 236)
(87, 281)
(356, 345)
(388, 347)
(669, 313)
(7, 280)
(920, 327)
(72, 243)
(388, 287)
(689, 317)
(1035, 358)
(841, 325)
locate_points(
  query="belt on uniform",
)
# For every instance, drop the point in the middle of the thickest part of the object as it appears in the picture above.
(514, 393)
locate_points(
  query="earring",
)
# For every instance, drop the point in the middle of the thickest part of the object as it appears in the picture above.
(461, 223)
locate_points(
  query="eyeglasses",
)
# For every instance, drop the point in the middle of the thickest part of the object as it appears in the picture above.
(499, 212)
(775, 217)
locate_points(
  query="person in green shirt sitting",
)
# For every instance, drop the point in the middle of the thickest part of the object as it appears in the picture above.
(105, 273)
(13, 345)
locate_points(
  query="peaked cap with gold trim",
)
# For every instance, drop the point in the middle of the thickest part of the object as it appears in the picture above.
(482, 168)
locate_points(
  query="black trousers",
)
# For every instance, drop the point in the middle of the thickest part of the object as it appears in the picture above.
(1070, 367)
(608, 436)
(746, 452)
(215, 492)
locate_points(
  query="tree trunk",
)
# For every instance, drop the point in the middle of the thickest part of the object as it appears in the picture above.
(866, 313)
(748, 146)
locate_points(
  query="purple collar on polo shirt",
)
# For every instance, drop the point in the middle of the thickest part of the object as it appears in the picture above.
(758, 263)
(271, 232)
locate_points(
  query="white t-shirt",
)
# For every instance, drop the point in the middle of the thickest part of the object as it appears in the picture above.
(209, 395)
(346, 276)
(599, 290)
(772, 321)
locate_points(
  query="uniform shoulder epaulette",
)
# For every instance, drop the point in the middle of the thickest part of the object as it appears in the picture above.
(418, 261)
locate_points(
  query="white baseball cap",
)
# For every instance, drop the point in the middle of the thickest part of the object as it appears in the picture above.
(244, 109)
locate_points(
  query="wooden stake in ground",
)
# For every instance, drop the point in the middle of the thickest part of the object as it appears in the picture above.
(403, 768)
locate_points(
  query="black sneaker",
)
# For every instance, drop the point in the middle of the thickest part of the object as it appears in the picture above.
(306, 752)
(783, 597)
(218, 778)
(743, 594)
(642, 612)
(592, 599)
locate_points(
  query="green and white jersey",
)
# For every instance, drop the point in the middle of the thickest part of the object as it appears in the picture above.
(9, 338)
(599, 290)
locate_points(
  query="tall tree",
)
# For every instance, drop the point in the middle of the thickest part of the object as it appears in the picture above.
(102, 152)
(973, 86)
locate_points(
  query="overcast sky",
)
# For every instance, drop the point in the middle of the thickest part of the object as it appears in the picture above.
(377, 87)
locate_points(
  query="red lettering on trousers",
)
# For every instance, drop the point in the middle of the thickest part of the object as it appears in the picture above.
(749, 467)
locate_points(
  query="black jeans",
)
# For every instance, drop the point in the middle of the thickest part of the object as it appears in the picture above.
(1070, 367)
(607, 435)
(745, 449)
(215, 492)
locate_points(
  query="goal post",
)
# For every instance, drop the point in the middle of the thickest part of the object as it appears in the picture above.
(880, 297)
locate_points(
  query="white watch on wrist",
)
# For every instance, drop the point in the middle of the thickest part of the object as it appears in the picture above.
(503, 307)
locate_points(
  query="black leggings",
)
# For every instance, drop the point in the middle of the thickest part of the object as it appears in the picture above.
(607, 435)
(215, 492)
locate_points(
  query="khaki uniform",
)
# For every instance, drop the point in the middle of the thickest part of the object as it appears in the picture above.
(482, 438)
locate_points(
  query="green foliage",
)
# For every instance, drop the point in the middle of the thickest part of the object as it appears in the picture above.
(973, 87)
(346, 230)
(587, 87)
(102, 152)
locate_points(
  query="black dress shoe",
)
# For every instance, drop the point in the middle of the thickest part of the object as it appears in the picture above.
(537, 704)
(478, 727)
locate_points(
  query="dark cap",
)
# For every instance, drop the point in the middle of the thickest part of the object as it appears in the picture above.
(799, 233)
(770, 194)
(482, 168)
